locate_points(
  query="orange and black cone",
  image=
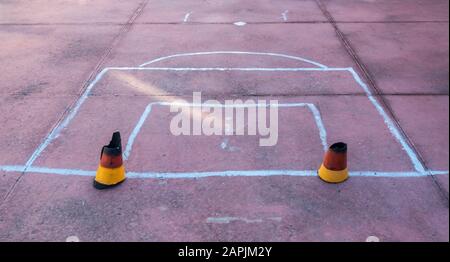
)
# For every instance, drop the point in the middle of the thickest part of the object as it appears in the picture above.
(334, 166)
(111, 170)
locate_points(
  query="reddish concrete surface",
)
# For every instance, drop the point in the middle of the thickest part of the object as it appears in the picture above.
(25, 121)
(266, 209)
(218, 84)
(388, 10)
(299, 146)
(59, 11)
(146, 42)
(7, 180)
(443, 182)
(49, 51)
(48, 60)
(216, 11)
(425, 120)
(400, 58)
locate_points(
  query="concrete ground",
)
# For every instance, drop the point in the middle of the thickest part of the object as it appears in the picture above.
(376, 72)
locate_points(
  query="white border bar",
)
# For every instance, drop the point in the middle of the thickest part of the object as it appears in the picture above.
(229, 173)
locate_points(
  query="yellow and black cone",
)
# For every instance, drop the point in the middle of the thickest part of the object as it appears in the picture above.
(334, 167)
(111, 170)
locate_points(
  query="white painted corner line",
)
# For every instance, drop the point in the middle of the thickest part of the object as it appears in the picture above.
(320, 126)
(312, 108)
(284, 15)
(391, 126)
(233, 53)
(65, 122)
(186, 17)
(136, 131)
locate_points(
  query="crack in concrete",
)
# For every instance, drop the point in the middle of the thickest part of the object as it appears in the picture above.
(126, 27)
(373, 85)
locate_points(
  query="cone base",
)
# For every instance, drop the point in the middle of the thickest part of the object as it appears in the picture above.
(331, 176)
(100, 186)
(109, 177)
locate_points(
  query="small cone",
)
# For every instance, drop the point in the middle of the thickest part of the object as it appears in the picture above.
(334, 166)
(111, 171)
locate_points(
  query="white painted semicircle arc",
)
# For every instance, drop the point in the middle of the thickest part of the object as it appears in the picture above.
(234, 53)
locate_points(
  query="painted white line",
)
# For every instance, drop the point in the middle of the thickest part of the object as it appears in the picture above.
(12, 168)
(72, 239)
(47, 170)
(227, 220)
(57, 130)
(284, 15)
(320, 126)
(186, 17)
(269, 69)
(312, 108)
(234, 53)
(391, 126)
(434, 172)
(229, 173)
(135, 131)
(239, 23)
(228, 105)
(372, 239)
